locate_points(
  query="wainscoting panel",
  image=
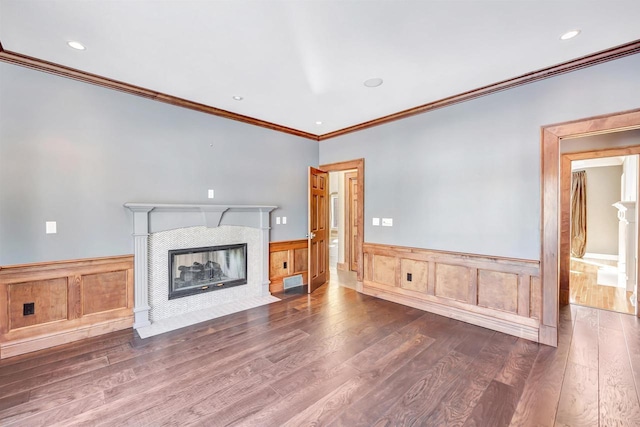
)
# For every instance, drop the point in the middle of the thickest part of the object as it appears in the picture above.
(452, 281)
(413, 275)
(104, 292)
(294, 254)
(48, 304)
(49, 298)
(498, 290)
(503, 294)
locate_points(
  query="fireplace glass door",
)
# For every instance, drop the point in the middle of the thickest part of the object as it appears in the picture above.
(196, 270)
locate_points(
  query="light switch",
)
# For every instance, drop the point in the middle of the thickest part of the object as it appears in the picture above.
(387, 222)
(210, 194)
(51, 227)
(376, 221)
(284, 219)
(277, 220)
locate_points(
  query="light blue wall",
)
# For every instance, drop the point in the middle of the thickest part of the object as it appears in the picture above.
(466, 178)
(74, 153)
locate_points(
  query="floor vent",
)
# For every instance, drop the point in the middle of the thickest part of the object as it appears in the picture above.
(292, 281)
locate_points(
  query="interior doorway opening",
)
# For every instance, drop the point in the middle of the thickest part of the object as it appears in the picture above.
(346, 222)
(555, 176)
(603, 265)
(343, 227)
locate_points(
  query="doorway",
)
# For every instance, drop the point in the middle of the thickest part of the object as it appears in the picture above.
(555, 191)
(343, 255)
(346, 222)
(603, 227)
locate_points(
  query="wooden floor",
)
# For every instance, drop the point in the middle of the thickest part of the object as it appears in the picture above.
(585, 291)
(334, 358)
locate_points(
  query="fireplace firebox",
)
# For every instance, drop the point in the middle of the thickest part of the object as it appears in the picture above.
(198, 270)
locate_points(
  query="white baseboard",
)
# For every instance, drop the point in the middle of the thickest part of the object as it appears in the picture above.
(601, 256)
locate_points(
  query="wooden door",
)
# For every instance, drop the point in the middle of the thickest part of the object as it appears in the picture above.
(351, 232)
(318, 228)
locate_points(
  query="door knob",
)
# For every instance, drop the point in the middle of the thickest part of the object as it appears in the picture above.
(311, 235)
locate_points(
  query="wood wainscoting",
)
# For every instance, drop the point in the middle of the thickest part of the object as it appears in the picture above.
(287, 258)
(502, 294)
(71, 300)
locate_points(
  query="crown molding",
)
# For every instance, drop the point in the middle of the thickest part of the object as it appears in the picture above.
(83, 76)
(610, 54)
(565, 67)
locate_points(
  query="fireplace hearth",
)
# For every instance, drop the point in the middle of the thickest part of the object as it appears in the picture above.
(197, 270)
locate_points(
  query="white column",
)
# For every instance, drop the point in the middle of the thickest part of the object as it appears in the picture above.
(265, 226)
(141, 262)
(627, 244)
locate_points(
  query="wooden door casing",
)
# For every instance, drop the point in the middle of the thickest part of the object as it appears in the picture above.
(318, 228)
(351, 226)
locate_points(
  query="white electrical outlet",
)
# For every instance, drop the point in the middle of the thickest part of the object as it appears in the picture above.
(284, 219)
(51, 227)
(277, 220)
(210, 194)
(387, 222)
(376, 221)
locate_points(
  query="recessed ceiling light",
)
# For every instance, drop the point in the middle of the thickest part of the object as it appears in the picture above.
(76, 45)
(318, 122)
(238, 98)
(375, 82)
(569, 34)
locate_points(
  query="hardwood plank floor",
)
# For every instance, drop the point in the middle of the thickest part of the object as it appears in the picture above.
(583, 290)
(337, 358)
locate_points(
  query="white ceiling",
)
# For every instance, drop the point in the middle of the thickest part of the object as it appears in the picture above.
(298, 62)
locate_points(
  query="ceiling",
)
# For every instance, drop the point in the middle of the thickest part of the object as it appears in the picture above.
(296, 63)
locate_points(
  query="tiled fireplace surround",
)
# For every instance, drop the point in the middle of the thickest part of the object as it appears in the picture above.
(159, 227)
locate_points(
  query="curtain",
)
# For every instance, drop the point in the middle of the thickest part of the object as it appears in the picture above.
(578, 213)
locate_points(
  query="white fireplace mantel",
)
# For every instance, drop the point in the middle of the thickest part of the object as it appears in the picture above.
(154, 217)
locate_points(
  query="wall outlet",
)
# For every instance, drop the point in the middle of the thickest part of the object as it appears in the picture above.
(51, 227)
(210, 194)
(277, 220)
(28, 308)
(376, 221)
(284, 219)
(387, 222)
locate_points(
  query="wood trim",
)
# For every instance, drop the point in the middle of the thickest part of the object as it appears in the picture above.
(507, 265)
(86, 77)
(553, 252)
(455, 291)
(357, 164)
(285, 245)
(527, 331)
(347, 217)
(63, 283)
(524, 295)
(19, 347)
(72, 263)
(610, 54)
(544, 73)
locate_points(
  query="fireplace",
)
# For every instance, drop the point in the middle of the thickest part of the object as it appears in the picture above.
(159, 228)
(197, 270)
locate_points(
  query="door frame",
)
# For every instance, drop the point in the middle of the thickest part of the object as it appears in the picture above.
(553, 229)
(348, 226)
(357, 164)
